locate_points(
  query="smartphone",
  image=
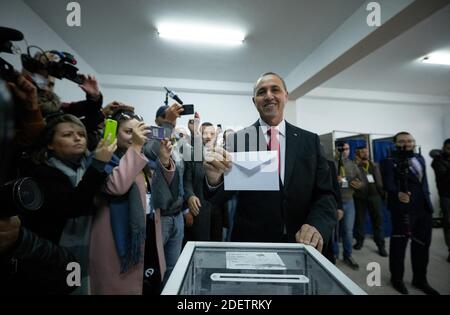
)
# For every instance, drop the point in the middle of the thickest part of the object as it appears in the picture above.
(188, 109)
(156, 133)
(110, 129)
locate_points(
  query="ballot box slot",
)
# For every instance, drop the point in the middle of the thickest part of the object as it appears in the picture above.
(252, 277)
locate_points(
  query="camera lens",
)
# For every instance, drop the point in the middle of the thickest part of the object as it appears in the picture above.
(27, 195)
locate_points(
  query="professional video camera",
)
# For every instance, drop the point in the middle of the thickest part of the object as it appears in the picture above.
(402, 166)
(62, 67)
(402, 156)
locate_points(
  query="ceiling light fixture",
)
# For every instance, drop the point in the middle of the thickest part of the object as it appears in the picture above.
(439, 58)
(205, 34)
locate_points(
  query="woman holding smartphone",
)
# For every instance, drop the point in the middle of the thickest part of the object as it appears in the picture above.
(119, 227)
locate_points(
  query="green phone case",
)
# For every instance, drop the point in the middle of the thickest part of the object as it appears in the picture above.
(110, 128)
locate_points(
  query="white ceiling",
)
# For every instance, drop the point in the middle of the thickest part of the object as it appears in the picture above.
(394, 67)
(119, 38)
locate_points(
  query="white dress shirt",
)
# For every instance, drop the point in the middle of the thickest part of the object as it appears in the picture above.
(281, 139)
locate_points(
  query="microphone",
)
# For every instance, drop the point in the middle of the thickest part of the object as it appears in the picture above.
(174, 96)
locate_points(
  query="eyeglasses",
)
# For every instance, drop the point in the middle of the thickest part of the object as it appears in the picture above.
(130, 116)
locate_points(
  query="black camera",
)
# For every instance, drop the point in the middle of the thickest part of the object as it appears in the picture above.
(402, 155)
(19, 194)
(62, 68)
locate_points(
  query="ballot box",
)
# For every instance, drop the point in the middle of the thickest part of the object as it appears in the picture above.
(221, 268)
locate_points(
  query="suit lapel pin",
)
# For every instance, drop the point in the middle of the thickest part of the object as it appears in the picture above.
(295, 135)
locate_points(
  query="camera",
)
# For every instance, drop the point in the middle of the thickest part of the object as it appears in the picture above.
(402, 166)
(19, 194)
(156, 133)
(62, 68)
(188, 109)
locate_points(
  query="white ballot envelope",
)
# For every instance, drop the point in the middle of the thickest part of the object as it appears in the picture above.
(255, 170)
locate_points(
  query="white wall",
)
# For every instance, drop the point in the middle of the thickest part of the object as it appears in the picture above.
(233, 111)
(15, 14)
(446, 120)
(325, 110)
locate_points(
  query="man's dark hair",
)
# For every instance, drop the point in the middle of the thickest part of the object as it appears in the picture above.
(446, 142)
(269, 73)
(401, 133)
(206, 124)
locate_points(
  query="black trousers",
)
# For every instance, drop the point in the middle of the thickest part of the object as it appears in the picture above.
(420, 225)
(373, 204)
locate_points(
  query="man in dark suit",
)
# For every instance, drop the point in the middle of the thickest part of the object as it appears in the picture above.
(304, 208)
(411, 213)
(204, 220)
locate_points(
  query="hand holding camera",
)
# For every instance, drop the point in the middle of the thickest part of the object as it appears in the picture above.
(404, 197)
(90, 86)
(140, 131)
(25, 92)
(173, 112)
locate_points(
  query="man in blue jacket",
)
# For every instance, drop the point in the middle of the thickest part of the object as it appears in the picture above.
(405, 180)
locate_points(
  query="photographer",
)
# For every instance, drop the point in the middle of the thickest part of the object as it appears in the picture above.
(168, 196)
(70, 178)
(40, 71)
(441, 166)
(405, 180)
(28, 264)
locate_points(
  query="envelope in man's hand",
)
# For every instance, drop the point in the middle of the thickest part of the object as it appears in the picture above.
(255, 170)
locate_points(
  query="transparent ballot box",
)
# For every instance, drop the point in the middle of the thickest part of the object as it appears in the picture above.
(218, 268)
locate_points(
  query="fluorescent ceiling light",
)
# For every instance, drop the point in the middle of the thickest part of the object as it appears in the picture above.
(198, 33)
(440, 58)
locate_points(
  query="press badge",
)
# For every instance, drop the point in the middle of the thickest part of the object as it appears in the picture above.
(370, 178)
(344, 183)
